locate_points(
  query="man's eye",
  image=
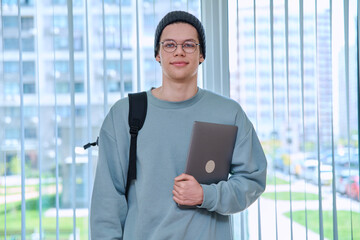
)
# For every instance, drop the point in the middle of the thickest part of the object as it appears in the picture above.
(189, 45)
(169, 45)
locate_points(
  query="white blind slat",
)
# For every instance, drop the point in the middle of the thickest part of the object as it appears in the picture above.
(301, 35)
(105, 79)
(39, 126)
(56, 128)
(273, 108)
(70, 18)
(22, 128)
(321, 225)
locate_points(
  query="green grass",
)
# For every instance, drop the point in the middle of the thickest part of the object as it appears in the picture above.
(13, 220)
(343, 219)
(295, 196)
(13, 226)
(279, 181)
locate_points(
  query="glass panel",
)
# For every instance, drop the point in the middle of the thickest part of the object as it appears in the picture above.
(54, 126)
(345, 121)
(314, 121)
(10, 140)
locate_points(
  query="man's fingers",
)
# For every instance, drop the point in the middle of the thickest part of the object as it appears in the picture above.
(180, 200)
(177, 200)
(184, 202)
(183, 177)
(178, 196)
(179, 184)
(180, 177)
(186, 190)
(178, 189)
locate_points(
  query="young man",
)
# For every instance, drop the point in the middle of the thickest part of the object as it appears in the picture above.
(151, 209)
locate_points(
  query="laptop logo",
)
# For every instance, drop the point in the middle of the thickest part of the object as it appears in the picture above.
(210, 166)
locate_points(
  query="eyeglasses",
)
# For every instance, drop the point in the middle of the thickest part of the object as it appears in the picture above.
(170, 46)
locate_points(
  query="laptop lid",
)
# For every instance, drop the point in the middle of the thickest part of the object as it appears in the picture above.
(210, 151)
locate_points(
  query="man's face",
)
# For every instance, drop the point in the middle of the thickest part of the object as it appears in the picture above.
(179, 65)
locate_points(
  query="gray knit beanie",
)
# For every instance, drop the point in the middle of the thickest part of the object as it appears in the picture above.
(180, 16)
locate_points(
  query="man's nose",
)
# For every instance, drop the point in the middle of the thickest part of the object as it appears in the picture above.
(179, 50)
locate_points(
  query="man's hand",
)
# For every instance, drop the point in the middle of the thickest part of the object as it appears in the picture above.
(187, 191)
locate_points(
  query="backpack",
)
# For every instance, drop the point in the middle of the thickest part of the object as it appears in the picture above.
(137, 115)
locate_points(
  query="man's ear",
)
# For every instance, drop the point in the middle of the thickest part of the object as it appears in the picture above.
(201, 59)
(158, 58)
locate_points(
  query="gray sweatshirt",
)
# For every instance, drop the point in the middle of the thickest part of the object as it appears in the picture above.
(150, 212)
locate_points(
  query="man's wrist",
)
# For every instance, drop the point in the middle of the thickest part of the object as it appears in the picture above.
(202, 196)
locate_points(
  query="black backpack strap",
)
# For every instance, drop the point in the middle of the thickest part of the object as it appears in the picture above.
(137, 115)
(96, 143)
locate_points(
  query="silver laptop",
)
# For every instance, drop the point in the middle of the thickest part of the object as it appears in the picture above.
(210, 152)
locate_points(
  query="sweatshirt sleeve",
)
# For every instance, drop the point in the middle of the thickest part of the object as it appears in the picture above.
(108, 205)
(248, 174)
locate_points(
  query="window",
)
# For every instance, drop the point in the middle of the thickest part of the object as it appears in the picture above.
(149, 24)
(303, 121)
(12, 112)
(62, 87)
(30, 133)
(28, 44)
(11, 44)
(29, 88)
(79, 87)
(114, 86)
(78, 43)
(10, 21)
(48, 104)
(29, 68)
(60, 43)
(11, 67)
(11, 134)
(80, 111)
(60, 21)
(26, 3)
(64, 111)
(30, 112)
(128, 86)
(59, 2)
(77, 3)
(11, 88)
(62, 68)
(27, 23)
(79, 68)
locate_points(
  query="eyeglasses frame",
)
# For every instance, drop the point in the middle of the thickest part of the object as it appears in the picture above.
(176, 45)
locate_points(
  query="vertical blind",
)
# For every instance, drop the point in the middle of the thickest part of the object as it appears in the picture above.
(294, 69)
(63, 64)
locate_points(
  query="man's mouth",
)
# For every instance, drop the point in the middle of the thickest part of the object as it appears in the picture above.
(179, 63)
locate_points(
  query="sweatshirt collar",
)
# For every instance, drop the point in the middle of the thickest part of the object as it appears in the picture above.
(168, 104)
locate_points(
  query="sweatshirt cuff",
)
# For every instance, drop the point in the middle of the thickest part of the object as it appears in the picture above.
(209, 199)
